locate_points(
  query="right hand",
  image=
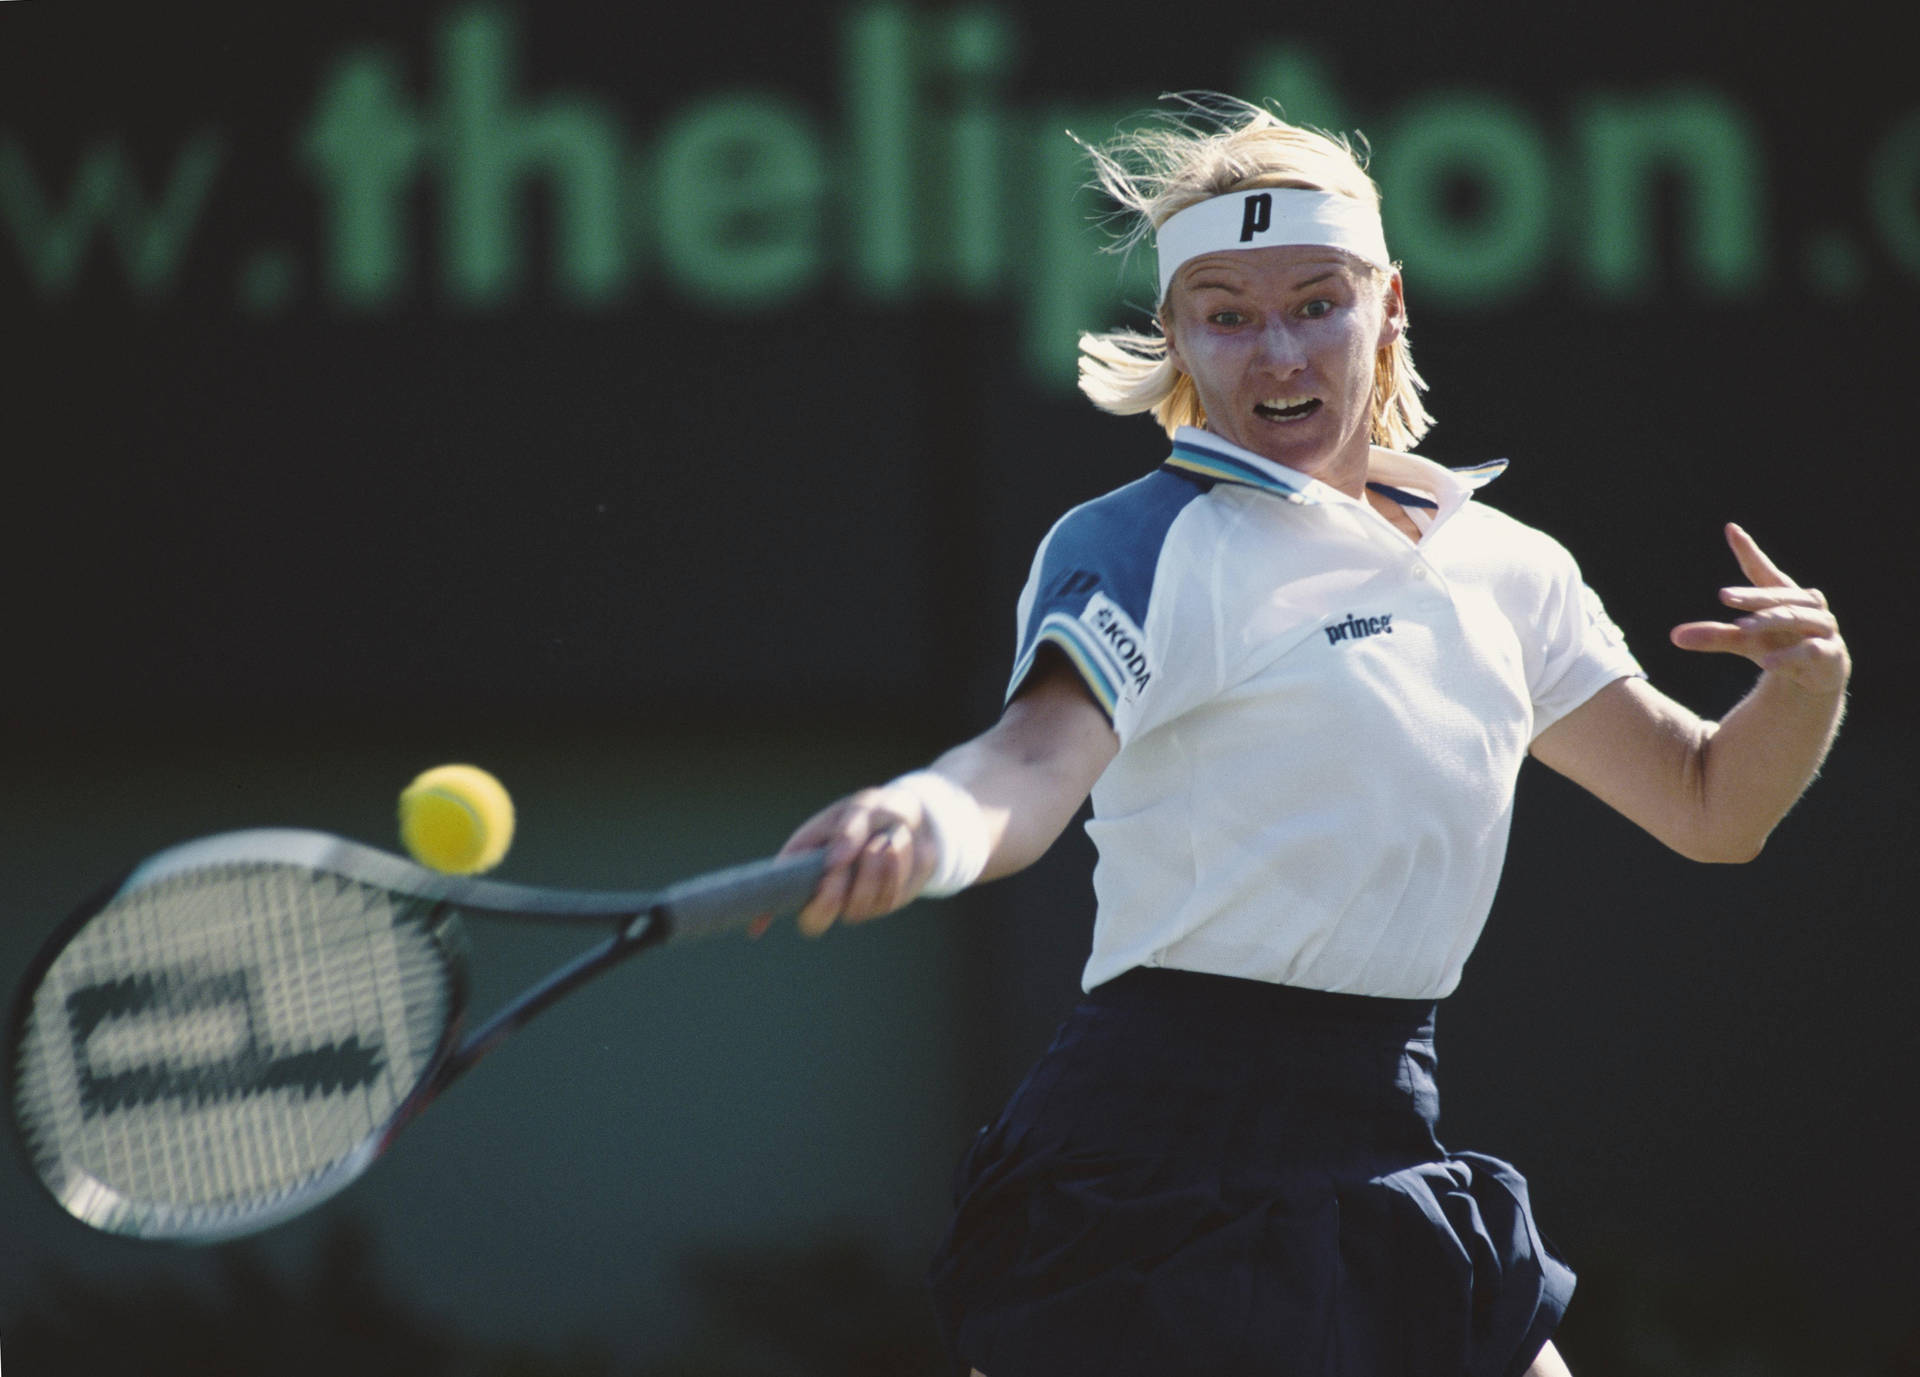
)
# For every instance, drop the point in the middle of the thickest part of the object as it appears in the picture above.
(880, 853)
(1031, 770)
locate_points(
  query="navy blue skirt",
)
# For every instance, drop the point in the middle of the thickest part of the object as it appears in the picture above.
(1206, 1175)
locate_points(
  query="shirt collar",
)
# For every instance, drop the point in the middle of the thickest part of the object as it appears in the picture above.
(1202, 452)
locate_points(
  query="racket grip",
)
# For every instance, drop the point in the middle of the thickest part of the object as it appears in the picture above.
(727, 899)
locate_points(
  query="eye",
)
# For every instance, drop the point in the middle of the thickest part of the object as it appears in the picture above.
(1317, 308)
(1228, 318)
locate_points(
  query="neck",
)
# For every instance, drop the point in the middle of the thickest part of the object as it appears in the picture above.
(1346, 471)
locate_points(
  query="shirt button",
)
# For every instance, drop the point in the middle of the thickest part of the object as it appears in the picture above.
(1419, 571)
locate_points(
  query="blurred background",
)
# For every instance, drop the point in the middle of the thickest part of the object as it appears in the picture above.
(662, 413)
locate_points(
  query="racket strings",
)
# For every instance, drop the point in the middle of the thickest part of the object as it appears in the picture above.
(210, 1044)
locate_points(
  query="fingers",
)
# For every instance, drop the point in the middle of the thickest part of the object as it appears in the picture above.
(1776, 618)
(821, 832)
(1777, 606)
(878, 857)
(1786, 630)
(881, 879)
(1807, 649)
(1751, 637)
(1753, 561)
(1759, 599)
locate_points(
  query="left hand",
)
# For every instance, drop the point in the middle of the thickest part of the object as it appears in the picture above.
(1788, 630)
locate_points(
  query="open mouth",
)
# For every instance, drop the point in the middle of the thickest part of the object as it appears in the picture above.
(1286, 408)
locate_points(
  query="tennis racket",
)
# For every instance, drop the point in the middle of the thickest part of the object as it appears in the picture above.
(240, 1027)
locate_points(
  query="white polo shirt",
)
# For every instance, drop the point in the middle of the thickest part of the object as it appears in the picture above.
(1321, 721)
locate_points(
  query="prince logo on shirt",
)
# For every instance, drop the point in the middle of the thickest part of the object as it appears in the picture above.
(1356, 628)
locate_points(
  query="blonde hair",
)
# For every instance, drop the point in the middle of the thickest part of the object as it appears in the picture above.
(1213, 146)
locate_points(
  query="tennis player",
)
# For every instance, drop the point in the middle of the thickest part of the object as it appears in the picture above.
(1298, 668)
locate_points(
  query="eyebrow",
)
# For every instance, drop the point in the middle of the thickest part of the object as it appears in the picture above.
(1200, 280)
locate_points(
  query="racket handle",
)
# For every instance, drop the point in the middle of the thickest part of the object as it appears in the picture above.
(733, 898)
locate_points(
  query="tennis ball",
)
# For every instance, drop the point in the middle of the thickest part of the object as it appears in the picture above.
(457, 819)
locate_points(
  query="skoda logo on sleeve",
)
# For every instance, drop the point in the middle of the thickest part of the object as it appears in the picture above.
(1124, 643)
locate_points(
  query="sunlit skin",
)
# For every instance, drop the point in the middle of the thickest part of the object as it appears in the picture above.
(1295, 325)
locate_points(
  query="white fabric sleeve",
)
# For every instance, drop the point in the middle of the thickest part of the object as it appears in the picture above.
(1581, 651)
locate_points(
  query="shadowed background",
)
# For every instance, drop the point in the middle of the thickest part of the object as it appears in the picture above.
(664, 417)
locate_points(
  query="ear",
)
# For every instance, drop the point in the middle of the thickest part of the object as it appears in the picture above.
(1173, 344)
(1393, 315)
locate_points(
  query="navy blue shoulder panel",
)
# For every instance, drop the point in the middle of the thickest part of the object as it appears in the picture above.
(1112, 544)
(1099, 562)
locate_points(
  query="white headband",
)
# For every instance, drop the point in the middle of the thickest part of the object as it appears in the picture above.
(1262, 219)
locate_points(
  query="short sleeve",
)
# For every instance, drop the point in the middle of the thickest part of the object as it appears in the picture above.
(1091, 590)
(1579, 650)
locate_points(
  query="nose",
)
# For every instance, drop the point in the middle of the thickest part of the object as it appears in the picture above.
(1281, 348)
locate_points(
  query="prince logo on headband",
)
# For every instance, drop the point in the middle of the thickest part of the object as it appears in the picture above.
(1256, 215)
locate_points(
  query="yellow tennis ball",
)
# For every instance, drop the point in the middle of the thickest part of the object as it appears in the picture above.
(457, 819)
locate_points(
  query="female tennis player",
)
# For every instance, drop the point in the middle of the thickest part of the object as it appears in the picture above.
(1298, 669)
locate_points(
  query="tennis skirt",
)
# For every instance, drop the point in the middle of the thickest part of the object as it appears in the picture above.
(1206, 1175)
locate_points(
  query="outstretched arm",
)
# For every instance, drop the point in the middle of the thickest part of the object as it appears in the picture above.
(1029, 772)
(1714, 791)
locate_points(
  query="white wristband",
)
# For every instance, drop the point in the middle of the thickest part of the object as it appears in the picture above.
(958, 827)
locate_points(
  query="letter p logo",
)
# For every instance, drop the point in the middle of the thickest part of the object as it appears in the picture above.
(1256, 214)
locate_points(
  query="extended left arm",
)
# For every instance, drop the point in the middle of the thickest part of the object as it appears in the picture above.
(1713, 791)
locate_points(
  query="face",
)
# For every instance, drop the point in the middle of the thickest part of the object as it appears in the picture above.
(1280, 343)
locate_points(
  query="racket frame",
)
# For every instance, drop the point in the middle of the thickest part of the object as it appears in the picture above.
(704, 905)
